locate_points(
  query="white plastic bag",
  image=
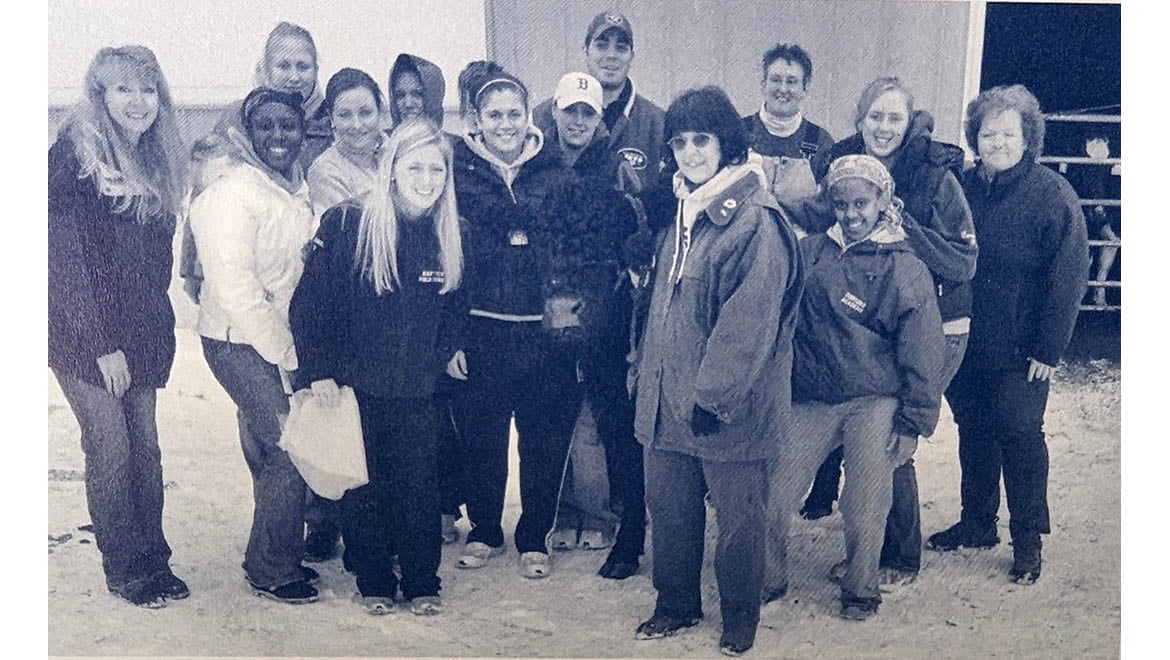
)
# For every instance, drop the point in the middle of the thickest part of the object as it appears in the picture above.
(325, 444)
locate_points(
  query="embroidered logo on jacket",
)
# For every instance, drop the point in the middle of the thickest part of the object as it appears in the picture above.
(853, 302)
(635, 157)
(432, 277)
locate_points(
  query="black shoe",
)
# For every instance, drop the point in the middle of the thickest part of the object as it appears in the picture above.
(664, 625)
(170, 586)
(143, 593)
(856, 608)
(311, 575)
(815, 510)
(963, 535)
(1025, 560)
(321, 542)
(618, 567)
(770, 595)
(295, 593)
(736, 642)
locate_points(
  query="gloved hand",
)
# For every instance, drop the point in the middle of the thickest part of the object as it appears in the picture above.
(703, 422)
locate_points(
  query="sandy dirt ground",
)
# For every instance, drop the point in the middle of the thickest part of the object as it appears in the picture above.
(961, 606)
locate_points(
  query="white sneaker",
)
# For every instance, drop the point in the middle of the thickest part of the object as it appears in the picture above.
(476, 555)
(563, 539)
(535, 565)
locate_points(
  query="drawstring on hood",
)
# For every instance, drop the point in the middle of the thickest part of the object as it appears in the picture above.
(692, 202)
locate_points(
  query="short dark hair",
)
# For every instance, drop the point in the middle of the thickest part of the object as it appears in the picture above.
(996, 100)
(708, 110)
(264, 95)
(347, 79)
(789, 53)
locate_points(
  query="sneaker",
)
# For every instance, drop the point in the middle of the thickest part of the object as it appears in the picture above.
(295, 593)
(375, 605)
(562, 539)
(170, 586)
(592, 539)
(426, 605)
(144, 593)
(321, 542)
(664, 625)
(855, 608)
(535, 565)
(889, 577)
(476, 554)
(963, 535)
(1025, 561)
(450, 534)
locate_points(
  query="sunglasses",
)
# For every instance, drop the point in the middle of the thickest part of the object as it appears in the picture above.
(700, 140)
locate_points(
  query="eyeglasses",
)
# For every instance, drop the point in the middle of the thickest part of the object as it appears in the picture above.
(700, 140)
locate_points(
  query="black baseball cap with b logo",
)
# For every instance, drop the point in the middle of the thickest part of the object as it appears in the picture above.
(609, 21)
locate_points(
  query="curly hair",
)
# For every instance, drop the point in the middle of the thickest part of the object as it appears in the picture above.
(708, 110)
(993, 102)
(789, 53)
(148, 177)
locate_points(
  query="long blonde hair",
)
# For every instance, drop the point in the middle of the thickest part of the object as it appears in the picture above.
(148, 177)
(377, 244)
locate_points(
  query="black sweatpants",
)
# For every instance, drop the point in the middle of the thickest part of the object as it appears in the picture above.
(1001, 431)
(398, 510)
(515, 370)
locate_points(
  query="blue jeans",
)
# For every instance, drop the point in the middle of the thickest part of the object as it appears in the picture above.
(276, 543)
(123, 477)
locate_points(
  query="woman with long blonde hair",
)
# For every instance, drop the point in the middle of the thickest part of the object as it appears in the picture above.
(379, 309)
(116, 175)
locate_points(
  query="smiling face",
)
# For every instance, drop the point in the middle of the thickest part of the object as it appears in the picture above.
(276, 132)
(355, 120)
(783, 87)
(857, 207)
(608, 58)
(290, 66)
(697, 155)
(1001, 141)
(576, 124)
(419, 178)
(503, 118)
(133, 105)
(884, 126)
(407, 92)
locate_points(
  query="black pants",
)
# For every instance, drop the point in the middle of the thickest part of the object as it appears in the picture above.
(515, 371)
(675, 486)
(450, 456)
(1001, 431)
(605, 385)
(398, 511)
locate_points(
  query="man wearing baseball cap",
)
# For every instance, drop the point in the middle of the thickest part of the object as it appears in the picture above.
(635, 124)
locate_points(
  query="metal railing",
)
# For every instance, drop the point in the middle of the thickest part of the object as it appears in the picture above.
(1095, 244)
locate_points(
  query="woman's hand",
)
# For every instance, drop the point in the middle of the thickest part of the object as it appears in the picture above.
(327, 392)
(115, 373)
(1039, 371)
(457, 366)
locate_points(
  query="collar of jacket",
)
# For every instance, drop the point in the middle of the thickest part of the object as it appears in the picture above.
(1004, 179)
(884, 234)
(727, 203)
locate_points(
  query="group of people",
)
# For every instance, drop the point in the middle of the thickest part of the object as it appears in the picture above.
(739, 300)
